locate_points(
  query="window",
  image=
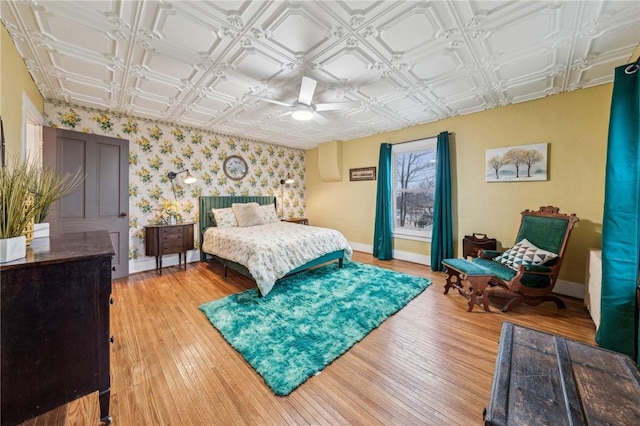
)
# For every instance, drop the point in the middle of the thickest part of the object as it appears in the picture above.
(414, 177)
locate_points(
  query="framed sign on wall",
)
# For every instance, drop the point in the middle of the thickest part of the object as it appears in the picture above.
(363, 173)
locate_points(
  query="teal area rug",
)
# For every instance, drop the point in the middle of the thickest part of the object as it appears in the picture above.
(310, 319)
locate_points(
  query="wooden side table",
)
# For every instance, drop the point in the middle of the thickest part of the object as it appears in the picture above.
(168, 239)
(300, 220)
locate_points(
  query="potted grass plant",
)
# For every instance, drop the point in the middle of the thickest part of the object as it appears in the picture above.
(16, 180)
(27, 191)
(47, 189)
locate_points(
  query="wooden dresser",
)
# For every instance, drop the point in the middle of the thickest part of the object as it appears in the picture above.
(168, 239)
(55, 325)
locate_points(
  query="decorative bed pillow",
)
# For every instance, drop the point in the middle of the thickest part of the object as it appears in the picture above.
(248, 214)
(269, 214)
(225, 218)
(524, 253)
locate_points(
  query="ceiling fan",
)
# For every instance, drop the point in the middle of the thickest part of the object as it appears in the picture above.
(303, 109)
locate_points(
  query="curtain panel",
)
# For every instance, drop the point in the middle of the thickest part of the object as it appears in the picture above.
(442, 228)
(382, 236)
(618, 329)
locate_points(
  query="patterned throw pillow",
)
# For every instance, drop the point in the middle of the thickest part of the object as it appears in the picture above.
(524, 253)
(248, 214)
(269, 213)
(225, 218)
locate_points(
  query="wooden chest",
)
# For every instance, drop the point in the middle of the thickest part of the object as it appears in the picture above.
(472, 243)
(543, 379)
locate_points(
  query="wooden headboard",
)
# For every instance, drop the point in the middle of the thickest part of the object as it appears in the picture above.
(219, 202)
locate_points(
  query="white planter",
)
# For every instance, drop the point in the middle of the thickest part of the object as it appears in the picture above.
(13, 249)
(40, 230)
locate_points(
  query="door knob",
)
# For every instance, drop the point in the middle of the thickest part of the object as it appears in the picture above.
(123, 214)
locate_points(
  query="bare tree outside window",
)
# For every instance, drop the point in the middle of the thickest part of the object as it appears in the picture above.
(414, 189)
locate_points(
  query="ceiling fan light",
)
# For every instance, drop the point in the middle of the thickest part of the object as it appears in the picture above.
(302, 115)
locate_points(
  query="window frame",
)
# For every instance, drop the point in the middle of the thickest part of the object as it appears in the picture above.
(418, 145)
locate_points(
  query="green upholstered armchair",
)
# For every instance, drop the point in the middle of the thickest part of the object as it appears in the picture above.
(530, 268)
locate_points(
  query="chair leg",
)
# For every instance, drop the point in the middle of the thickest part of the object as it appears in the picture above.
(533, 301)
(559, 303)
(515, 301)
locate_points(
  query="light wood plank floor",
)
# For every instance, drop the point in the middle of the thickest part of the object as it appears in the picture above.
(431, 363)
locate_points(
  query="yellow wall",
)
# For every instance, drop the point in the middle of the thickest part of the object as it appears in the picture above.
(14, 81)
(575, 125)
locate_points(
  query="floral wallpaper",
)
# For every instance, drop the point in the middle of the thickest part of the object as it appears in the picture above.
(157, 148)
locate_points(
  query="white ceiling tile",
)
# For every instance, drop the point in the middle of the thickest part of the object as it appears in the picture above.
(296, 31)
(170, 67)
(407, 32)
(157, 89)
(432, 66)
(453, 88)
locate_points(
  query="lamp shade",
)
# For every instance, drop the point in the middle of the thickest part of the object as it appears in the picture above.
(189, 178)
(288, 180)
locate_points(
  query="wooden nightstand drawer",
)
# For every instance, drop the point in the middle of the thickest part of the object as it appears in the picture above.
(172, 246)
(171, 231)
(177, 236)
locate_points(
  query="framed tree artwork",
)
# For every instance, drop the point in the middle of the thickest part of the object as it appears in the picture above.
(516, 163)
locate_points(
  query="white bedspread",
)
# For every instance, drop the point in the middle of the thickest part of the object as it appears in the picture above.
(272, 250)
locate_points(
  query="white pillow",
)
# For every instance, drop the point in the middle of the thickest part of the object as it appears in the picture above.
(269, 214)
(225, 218)
(248, 214)
(524, 253)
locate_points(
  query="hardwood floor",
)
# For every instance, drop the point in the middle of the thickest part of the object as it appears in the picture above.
(431, 363)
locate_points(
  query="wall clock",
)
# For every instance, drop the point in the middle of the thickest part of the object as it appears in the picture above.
(235, 167)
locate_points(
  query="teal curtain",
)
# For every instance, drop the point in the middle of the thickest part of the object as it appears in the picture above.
(382, 236)
(618, 329)
(442, 232)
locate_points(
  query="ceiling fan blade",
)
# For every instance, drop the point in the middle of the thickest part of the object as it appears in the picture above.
(334, 106)
(307, 88)
(319, 119)
(273, 101)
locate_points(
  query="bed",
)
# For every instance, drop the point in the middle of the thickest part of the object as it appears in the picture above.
(266, 253)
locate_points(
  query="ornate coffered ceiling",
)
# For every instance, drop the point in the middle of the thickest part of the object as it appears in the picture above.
(206, 64)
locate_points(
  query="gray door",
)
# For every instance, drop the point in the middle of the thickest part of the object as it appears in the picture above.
(102, 201)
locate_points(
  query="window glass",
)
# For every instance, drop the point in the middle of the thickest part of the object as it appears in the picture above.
(413, 168)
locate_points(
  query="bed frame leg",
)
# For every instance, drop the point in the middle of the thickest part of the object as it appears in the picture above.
(340, 261)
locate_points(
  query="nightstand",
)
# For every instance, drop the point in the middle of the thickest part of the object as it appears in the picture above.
(168, 239)
(300, 220)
